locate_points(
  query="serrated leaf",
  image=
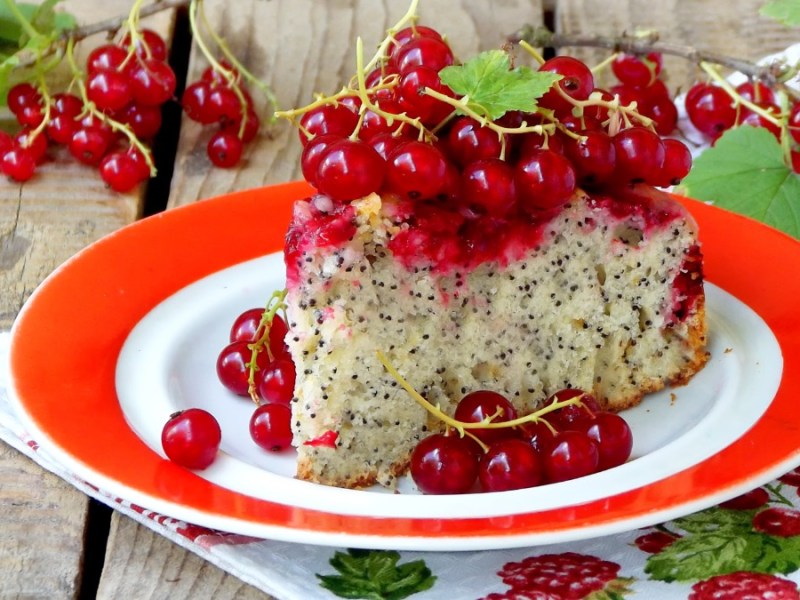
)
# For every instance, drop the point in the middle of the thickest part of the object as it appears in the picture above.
(701, 556)
(745, 172)
(717, 520)
(492, 87)
(375, 575)
(786, 12)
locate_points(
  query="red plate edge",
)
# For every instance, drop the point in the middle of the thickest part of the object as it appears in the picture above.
(70, 397)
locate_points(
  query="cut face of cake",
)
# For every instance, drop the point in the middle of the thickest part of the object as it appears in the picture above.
(604, 294)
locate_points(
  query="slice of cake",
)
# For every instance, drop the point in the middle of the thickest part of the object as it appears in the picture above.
(603, 294)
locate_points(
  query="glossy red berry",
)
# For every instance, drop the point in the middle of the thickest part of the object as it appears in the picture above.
(574, 416)
(613, 437)
(120, 171)
(444, 465)
(152, 82)
(313, 152)
(487, 186)
(677, 163)
(571, 455)
(106, 58)
(423, 52)
(275, 383)
(419, 104)
(510, 464)
(710, 109)
(232, 366)
(22, 95)
(468, 141)
(89, 144)
(640, 155)
(544, 180)
(349, 169)
(191, 438)
(416, 170)
(195, 102)
(271, 427)
(225, 149)
(18, 163)
(145, 121)
(404, 36)
(637, 71)
(577, 82)
(109, 90)
(148, 45)
(334, 119)
(485, 405)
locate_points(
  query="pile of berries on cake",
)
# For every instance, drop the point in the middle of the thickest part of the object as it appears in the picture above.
(400, 128)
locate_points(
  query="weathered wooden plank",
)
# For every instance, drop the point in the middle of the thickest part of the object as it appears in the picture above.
(42, 520)
(733, 28)
(143, 564)
(304, 46)
(42, 223)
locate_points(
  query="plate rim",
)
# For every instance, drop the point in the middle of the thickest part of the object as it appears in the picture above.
(207, 504)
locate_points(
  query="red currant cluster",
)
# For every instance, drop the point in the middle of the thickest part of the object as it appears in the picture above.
(125, 86)
(220, 97)
(572, 441)
(255, 363)
(640, 82)
(400, 134)
(713, 110)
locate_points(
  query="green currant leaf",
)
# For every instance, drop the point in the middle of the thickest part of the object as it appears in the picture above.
(703, 555)
(375, 575)
(786, 12)
(716, 520)
(745, 172)
(492, 87)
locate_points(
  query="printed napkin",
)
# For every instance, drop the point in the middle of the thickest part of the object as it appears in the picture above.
(748, 547)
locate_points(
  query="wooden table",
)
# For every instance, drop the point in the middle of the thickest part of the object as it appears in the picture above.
(56, 543)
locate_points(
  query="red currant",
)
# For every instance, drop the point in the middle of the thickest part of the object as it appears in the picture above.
(573, 416)
(710, 109)
(22, 95)
(106, 58)
(510, 464)
(334, 119)
(191, 438)
(148, 45)
(271, 427)
(640, 155)
(195, 102)
(443, 464)
(613, 437)
(232, 366)
(416, 170)
(487, 186)
(225, 149)
(349, 169)
(577, 82)
(404, 36)
(544, 180)
(152, 82)
(89, 144)
(485, 405)
(120, 171)
(572, 454)
(468, 141)
(18, 163)
(275, 383)
(109, 90)
(423, 52)
(637, 71)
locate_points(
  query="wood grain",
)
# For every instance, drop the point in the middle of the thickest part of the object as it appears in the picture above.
(143, 564)
(733, 28)
(300, 47)
(42, 223)
(42, 520)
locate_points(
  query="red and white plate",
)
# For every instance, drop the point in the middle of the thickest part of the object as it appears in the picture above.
(128, 331)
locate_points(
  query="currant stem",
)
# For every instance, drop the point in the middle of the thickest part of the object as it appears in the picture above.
(712, 72)
(91, 109)
(461, 426)
(380, 54)
(274, 304)
(196, 7)
(239, 67)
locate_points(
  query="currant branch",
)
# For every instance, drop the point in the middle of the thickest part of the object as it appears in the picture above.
(773, 74)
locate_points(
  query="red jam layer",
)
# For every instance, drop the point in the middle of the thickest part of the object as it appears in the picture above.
(445, 239)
